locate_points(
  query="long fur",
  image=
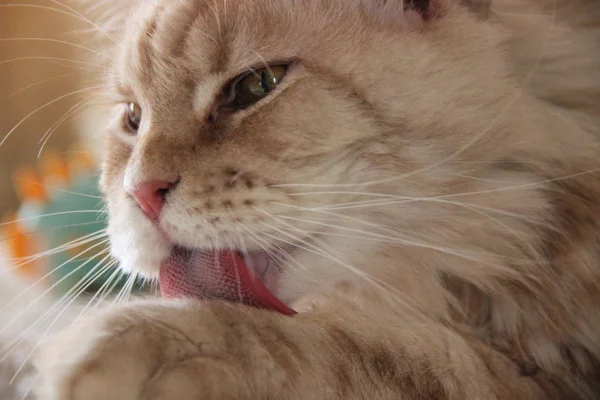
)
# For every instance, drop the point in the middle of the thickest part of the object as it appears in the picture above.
(436, 175)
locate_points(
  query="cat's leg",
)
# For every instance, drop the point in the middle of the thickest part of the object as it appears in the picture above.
(201, 350)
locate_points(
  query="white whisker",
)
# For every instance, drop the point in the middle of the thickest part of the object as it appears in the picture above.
(85, 65)
(43, 81)
(57, 41)
(54, 285)
(75, 110)
(87, 20)
(90, 281)
(57, 189)
(21, 262)
(22, 121)
(50, 215)
(539, 184)
(49, 312)
(362, 274)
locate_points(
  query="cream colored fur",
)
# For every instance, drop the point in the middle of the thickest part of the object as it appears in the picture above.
(438, 179)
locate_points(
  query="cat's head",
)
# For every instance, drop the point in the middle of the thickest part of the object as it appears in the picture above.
(305, 131)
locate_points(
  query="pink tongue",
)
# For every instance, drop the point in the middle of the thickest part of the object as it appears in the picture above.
(219, 275)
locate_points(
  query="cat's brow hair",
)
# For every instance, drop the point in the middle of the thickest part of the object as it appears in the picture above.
(150, 53)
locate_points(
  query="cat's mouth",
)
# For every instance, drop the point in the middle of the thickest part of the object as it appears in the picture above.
(221, 275)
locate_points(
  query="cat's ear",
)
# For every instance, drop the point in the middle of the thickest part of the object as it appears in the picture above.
(403, 12)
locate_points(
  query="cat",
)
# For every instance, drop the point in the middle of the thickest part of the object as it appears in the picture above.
(348, 199)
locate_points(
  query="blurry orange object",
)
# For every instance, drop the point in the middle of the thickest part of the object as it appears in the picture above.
(80, 161)
(29, 185)
(55, 169)
(20, 245)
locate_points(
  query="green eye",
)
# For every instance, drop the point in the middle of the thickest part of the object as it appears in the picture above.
(256, 85)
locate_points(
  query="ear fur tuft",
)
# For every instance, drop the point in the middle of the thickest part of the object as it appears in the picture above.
(420, 6)
(403, 12)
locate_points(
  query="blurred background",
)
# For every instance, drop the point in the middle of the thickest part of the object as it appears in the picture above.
(53, 253)
(48, 138)
(32, 75)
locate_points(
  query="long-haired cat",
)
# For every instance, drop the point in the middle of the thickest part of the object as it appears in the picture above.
(348, 199)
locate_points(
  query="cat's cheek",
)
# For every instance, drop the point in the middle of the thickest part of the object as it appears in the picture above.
(136, 242)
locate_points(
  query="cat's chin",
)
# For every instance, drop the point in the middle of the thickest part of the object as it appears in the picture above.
(242, 277)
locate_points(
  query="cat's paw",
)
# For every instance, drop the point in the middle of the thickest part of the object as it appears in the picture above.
(138, 352)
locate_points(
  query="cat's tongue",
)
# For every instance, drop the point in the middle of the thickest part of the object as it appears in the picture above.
(221, 275)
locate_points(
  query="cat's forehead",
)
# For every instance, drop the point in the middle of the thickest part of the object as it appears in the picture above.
(209, 36)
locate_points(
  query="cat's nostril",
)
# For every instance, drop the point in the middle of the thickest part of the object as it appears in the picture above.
(150, 196)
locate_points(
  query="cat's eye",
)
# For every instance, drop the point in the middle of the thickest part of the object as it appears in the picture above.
(253, 86)
(133, 117)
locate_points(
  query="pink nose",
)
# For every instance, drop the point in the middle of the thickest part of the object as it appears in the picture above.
(150, 196)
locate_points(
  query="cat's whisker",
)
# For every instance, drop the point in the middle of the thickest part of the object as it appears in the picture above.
(68, 62)
(125, 291)
(49, 328)
(31, 386)
(41, 82)
(58, 189)
(47, 40)
(37, 256)
(460, 194)
(87, 20)
(89, 282)
(371, 183)
(66, 298)
(134, 278)
(548, 189)
(40, 7)
(470, 207)
(60, 248)
(42, 107)
(280, 255)
(330, 212)
(477, 208)
(76, 110)
(370, 236)
(116, 277)
(50, 215)
(100, 292)
(244, 250)
(57, 283)
(65, 247)
(515, 162)
(314, 249)
(467, 256)
(121, 293)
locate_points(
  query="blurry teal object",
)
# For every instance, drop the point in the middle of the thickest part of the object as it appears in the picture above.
(71, 214)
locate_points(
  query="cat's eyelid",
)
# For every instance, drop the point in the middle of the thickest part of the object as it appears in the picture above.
(258, 65)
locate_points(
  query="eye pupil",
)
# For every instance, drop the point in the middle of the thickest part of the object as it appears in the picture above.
(268, 81)
(253, 86)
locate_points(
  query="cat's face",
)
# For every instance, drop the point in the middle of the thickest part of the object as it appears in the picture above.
(263, 119)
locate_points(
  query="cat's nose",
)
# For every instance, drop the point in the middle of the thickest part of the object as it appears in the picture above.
(150, 196)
